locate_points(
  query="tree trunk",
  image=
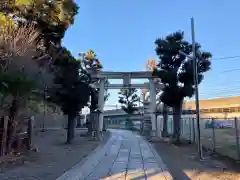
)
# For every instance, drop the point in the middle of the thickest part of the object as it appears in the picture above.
(11, 124)
(89, 124)
(70, 129)
(74, 128)
(165, 121)
(177, 111)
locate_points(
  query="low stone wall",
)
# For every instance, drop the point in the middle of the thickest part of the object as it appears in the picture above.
(52, 120)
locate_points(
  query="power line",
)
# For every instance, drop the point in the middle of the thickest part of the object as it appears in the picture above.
(235, 86)
(230, 70)
(219, 84)
(227, 57)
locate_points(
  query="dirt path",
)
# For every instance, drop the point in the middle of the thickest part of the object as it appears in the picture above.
(182, 164)
(54, 156)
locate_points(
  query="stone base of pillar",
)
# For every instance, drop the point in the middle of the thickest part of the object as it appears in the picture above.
(96, 135)
(101, 135)
(153, 133)
(104, 126)
(154, 137)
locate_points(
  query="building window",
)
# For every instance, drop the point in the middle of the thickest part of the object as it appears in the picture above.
(226, 110)
(213, 110)
(232, 109)
(204, 110)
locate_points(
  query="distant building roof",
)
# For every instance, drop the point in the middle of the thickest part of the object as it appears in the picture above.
(215, 103)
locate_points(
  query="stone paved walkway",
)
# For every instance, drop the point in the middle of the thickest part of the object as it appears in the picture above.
(126, 156)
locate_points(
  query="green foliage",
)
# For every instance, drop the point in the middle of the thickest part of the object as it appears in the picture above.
(106, 93)
(94, 99)
(90, 60)
(91, 64)
(72, 90)
(52, 18)
(175, 71)
(16, 84)
(95, 94)
(128, 99)
(33, 106)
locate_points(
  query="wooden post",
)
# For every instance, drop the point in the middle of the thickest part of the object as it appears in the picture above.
(30, 132)
(4, 126)
(190, 130)
(237, 137)
(213, 136)
(193, 128)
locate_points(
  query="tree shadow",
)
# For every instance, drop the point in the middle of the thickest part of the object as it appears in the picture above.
(122, 159)
(181, 162)
(159, 175)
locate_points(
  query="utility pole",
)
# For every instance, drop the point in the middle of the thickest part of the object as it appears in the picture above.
(195, 69)
(195, 77)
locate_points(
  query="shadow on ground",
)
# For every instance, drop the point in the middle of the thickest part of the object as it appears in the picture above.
(182, 163)
(53, 158)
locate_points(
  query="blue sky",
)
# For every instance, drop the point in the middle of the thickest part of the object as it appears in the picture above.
(122, 33)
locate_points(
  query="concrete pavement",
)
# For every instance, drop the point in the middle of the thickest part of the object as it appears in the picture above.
(126, 156)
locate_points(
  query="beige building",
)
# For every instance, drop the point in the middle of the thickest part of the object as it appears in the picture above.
(219, 108)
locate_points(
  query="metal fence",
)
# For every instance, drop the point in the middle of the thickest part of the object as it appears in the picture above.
(217, 135)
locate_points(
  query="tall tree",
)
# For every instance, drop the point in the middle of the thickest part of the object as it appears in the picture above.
(150, 66)
(91, 64)
(128, 99)
(20, 74)
(50, 19)
(176, 72)
(72, 90)
(90, 60)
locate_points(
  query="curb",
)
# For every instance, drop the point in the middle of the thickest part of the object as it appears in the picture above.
(166, 172)
(67, 173)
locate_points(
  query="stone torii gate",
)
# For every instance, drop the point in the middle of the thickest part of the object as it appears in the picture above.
(126, 77)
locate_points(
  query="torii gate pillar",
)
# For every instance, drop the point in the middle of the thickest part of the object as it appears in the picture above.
(101, 103)
(152, 89)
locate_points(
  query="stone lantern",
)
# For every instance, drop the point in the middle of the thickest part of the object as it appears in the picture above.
(95, 120)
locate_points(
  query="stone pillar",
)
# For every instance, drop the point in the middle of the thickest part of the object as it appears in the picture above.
(101, 104)
(153, 106)
(147, 124)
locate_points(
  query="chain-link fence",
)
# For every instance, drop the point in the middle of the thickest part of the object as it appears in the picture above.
(217, 135)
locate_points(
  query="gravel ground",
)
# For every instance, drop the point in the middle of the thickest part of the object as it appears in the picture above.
(53, 158)
(182, 164)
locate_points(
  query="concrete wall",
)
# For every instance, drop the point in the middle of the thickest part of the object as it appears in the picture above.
(53, 120)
